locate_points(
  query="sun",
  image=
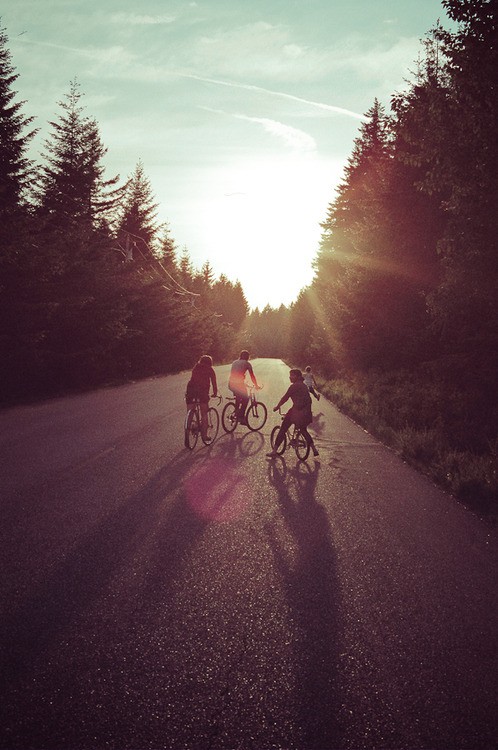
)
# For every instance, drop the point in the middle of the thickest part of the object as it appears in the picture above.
(261, 225)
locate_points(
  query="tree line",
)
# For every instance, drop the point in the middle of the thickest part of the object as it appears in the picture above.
(93, 289)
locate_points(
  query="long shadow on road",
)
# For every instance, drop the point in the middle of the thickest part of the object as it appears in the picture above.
(312, 591)
(44, 618)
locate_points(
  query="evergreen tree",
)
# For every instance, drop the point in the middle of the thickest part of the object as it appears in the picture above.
(351, 282)
(78, 272)
(466, 303)
(19, 312)
(138, 222)
(167, 250)
(267, 331)
(185, 269)
(72, 190)
(15, 167)
(229, 301)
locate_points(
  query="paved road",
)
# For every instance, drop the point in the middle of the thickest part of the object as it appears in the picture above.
(157, 598)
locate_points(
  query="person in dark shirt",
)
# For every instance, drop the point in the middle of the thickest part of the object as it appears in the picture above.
(203, 375)
(299, 413)
(237, 383)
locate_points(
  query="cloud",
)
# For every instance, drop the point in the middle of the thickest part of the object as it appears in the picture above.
(296, 139)
(253, 50)
(135, 19)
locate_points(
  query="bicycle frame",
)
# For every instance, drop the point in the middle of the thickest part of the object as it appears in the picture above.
(255, 415)
(193, 422)
(294, 438)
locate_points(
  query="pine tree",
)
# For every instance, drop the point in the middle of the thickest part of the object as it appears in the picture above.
(350, 279)
(138, 218)
(229, 301)
(15, 167)
(466, 303)
(168, 250)
(185, 269)
(72, 191)
(20, 315)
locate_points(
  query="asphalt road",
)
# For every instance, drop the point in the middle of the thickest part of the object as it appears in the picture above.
(154, 597)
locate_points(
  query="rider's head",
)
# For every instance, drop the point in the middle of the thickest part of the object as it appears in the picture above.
(308, 368)
(295, 375)
(244, 354)
(206, 360)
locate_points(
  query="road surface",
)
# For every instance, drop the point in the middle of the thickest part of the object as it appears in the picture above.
(154, 597)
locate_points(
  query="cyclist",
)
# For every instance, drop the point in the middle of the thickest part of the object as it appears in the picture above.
(299, 414)
(237, 383)
(203, 375)
(310, 381)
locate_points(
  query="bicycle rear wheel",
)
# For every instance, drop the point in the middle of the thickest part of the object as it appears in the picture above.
(229, 417)
(192, 429)
(213, 425)
(256, 415)
(273, 439)
(301, 446)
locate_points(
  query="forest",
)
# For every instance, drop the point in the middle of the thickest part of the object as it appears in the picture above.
(400, 322)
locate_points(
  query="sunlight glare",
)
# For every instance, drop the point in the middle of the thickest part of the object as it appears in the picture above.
(263, 220)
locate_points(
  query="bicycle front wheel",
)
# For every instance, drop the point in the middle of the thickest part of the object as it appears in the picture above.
(229, 417)
(213, 425)
(302, 447)
(192, 429)
(256, 415)
(273, 440)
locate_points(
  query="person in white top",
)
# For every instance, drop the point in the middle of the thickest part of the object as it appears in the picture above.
(237, 383)
(310, 381)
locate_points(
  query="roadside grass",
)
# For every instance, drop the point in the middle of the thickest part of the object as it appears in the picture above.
(428, 424)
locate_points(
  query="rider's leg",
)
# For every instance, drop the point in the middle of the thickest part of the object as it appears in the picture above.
(237, 405)
(309, 440)
(286, 423)
(244, 400)
(204, 421)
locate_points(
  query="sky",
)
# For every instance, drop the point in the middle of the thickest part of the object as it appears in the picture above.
(242, 112)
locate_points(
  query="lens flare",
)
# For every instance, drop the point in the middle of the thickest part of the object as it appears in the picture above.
(217, 491)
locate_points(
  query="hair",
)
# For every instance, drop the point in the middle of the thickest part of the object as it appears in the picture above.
(244, 354)
(206, 360)
(308, 368)
(296, 373)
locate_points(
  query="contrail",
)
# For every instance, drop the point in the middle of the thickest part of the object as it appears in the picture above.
(249, 87)
(295, 138)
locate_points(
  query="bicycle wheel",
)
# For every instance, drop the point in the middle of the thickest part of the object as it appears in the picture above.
(213, 421)
(229, 417)
(192, 429)
(301, 446)
(256, 415)
(273, 438)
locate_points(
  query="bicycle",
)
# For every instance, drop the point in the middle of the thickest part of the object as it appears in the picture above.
(256, 412)
(293, 438)
(193, 425)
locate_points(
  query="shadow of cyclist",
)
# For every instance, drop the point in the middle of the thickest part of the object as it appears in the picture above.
(238, 446)
(311, 585)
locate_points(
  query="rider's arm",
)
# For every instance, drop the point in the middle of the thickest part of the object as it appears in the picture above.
(282, 401)
(214, 383)
(252, 375)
